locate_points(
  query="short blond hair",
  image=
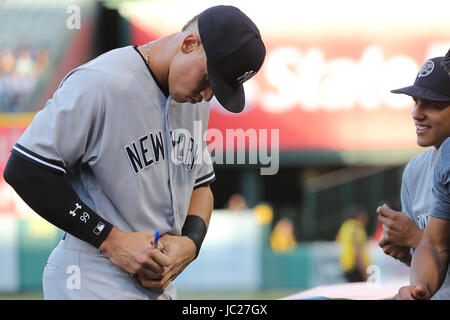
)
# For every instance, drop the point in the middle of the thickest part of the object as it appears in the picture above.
(190, 23)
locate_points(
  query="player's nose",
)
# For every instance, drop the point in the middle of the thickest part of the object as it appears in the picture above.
(417, 112)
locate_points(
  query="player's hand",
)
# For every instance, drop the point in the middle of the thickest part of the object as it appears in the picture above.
(181, 251)
(398, 228)
(398, 252)
(412, 293)
(133, 252)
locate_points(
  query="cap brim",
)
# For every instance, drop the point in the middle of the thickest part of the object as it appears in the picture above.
(422, 93)
(230, 97)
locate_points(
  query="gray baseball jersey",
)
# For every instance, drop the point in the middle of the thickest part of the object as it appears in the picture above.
(441, 182)
(417, 199)
(132, 154)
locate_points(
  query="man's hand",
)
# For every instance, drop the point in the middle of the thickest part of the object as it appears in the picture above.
(181, 251)
(398, 229)
(133, 252)
(398, 252)
(412, 293)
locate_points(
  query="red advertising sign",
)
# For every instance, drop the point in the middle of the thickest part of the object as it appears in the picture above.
(11, 127)
(326, 80)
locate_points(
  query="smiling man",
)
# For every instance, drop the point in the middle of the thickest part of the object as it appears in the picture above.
(431, 114)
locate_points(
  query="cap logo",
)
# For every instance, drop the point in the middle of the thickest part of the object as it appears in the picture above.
(247, 75)
(426, 69)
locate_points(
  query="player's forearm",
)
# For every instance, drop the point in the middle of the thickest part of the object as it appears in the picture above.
(52, 197)
(198, 216)
(202, 203)
(428, 266)
(415, 237)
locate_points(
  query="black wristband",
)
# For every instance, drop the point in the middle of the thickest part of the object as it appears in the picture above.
(195, 229)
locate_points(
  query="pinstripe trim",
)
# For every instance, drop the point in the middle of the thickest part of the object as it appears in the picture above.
(206, 178)
(37, 158)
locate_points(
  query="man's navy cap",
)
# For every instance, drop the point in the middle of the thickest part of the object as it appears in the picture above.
(234, 53)
(432, 82)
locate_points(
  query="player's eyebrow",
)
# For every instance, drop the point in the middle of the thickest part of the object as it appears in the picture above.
(438, 104)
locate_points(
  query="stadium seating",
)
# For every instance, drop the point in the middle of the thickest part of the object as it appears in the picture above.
(33, 33)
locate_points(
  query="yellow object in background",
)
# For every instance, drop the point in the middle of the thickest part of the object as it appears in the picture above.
(40, 228)
(282, 238)
(263, 214)
(352, 235)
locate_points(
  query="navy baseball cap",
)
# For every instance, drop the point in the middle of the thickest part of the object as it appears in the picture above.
(234, 53)
(432, 82)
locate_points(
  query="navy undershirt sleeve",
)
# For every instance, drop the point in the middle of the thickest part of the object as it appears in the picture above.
(51, 196)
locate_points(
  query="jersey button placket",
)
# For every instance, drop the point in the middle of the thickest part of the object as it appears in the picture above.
(169, 159)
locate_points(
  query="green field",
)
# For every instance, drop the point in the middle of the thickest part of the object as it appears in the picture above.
(260, 295)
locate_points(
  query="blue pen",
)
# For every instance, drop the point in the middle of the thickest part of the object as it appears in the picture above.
(155, 243)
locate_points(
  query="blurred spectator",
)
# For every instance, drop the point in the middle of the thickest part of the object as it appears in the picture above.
(7, 63)
(352, 238)
(24, 64)
(236, 202)
(42, 59)
(19, 70)
(282, 238)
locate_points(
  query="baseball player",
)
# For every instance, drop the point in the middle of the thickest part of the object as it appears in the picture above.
(431, 113)
(430, 262)
(113, 157)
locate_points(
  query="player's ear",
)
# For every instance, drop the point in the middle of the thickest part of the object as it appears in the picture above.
(190, 42)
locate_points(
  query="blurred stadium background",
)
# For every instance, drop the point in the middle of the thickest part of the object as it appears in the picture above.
(344, 139)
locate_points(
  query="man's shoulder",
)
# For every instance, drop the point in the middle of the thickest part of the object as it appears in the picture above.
(444, 150)
(425, 159)
(108, 71)
(446, 144)
(442, 173)
(110, 63)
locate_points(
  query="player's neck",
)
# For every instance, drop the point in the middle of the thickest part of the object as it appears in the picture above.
(161, 52)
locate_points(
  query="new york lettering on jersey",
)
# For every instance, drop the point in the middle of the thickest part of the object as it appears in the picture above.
(149, 149)
(137, 152)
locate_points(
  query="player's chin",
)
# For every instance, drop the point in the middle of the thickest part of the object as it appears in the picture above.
(178, 99)
(182, 99)
(425, 141)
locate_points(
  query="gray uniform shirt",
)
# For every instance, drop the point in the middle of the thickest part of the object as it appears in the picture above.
(132, 154)
(441, 182)
(417, 199)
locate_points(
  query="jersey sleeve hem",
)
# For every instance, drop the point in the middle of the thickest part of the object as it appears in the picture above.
(48, 164)
(441, 211)
(206, 179)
